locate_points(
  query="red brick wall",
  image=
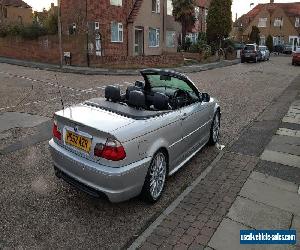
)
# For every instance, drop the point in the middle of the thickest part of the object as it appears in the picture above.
(46, 50)
(38, 50)
(75, 11)
(167, 60)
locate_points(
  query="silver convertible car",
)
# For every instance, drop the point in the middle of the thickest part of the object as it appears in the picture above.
(127, 144)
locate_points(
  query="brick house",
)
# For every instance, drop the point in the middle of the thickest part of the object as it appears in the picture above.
(15, 12)
(121, 27)
(280, 20)
(201, 11)
(41, 16)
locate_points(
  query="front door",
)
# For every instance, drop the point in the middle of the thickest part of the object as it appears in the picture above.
(138, 41)
(196, 123)
(294, 41)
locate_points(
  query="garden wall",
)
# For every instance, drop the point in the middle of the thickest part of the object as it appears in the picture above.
(46, 50)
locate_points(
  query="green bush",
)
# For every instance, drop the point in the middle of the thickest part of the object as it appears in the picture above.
(32, 32)
(3, 31)
(269, 43)
(51, 24)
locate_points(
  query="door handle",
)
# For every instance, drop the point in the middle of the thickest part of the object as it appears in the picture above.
(184, 116)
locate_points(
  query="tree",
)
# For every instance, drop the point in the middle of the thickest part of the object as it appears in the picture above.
(269, 43)
(51, 24)
(254, 35)
(219, 22)
(184, 12)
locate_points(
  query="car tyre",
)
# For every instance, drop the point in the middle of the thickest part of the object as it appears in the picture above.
(256, 60)
(215, 129)
(156, 178)
(242, 60)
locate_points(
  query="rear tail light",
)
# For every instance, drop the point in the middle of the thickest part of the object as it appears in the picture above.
(112, 150)
(55, 131)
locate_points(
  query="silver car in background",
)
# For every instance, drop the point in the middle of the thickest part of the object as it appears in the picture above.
(127, 144)
(265, 53)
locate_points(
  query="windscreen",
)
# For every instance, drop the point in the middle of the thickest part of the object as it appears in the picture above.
(262, 48)
(168, 82)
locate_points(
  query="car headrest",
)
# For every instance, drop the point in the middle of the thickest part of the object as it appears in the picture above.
(113, 93)
(137, 99)
(139, 84)
(161, 101)
(131, 88)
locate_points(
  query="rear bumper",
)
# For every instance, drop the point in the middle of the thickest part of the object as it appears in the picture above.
(296, 60)
(118, 184)
(249, 58)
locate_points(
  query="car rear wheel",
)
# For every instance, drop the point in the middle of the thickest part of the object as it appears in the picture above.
(156, 178)
(215, 129)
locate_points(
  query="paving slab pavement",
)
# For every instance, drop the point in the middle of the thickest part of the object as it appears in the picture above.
(258, 215)
(265, 201)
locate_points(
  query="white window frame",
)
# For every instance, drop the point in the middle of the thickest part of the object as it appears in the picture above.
(171, 33)
(297, 22)
(116, 2)
(157, 38)
(197, 12)
(157, 6)
(120, 32)
(97, 26)
(193, 37)
(262, 22)
(262, 38)
(278, 22)
(170, 8)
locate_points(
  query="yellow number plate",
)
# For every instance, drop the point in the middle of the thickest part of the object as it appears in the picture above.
(78, 141)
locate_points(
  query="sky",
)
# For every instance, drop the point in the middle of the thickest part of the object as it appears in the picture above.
(239, 6)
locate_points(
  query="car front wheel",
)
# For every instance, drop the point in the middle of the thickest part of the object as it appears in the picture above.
(156, 178)
(215, 129)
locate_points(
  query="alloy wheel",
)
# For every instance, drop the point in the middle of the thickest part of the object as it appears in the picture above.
(158, 171)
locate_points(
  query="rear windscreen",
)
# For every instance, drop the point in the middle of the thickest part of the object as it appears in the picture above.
(249, 47)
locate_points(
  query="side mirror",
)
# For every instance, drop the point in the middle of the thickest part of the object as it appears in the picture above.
(205, 97)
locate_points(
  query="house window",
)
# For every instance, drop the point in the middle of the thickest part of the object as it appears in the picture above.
(278, 22)
(262, 22)
(169, 8)
(153, 37)
(262, 40)
(156, 6)
(193, 37)
(20, 20)
(116, 2)
(297, 22)
(116, 32)
(170, 39)
(98, 45)
(5, 12)
(197, 13)
(278, 40)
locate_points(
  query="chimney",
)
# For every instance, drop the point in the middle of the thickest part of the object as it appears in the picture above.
(236, 16)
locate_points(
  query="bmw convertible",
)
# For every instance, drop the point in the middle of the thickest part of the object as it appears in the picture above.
(127, 144)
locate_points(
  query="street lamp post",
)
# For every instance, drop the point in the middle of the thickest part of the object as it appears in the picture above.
(60, 33)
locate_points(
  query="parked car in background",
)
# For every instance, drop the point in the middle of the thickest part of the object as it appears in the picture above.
(265, 53)
(296, 57)
(278, 49)
(251, 52)
(288, 49)
(126, 144)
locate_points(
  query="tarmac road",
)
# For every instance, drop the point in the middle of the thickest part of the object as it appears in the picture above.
(39, 211)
